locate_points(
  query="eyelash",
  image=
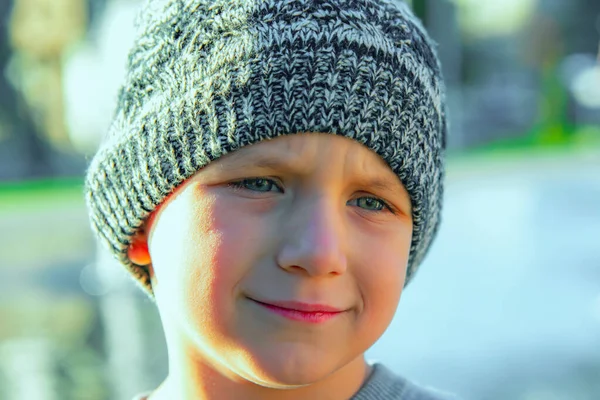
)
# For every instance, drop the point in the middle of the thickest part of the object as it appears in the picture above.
(240, 185)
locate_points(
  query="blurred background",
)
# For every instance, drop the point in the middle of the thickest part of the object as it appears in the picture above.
(506, 305)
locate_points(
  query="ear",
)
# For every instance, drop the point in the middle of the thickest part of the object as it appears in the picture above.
(138, 251)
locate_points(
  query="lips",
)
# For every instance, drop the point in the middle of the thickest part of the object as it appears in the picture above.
(300, 306)
(299, 311)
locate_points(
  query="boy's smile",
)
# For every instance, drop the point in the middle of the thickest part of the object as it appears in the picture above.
(303, 312)
(280, 263)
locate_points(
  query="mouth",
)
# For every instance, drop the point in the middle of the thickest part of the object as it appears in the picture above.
(302, 312)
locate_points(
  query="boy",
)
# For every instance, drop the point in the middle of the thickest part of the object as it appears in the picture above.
(273, 179)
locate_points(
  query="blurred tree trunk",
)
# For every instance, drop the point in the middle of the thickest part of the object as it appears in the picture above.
(441, 21)
(23, 153)
(40, 33)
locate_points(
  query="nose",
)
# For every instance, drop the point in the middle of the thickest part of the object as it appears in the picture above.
(312, 240)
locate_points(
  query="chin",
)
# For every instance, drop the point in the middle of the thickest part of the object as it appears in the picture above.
(287, 370)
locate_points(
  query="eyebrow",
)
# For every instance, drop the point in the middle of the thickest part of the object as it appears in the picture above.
(381, 183)
(249, 159)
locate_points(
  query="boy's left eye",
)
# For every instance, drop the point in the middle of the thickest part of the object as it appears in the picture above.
(371, 203)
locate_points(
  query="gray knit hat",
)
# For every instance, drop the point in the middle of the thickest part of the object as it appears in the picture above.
(206, 77)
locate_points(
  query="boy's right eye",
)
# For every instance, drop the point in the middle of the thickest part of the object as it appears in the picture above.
(263, 185)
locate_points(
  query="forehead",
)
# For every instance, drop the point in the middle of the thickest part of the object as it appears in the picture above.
(306, 148)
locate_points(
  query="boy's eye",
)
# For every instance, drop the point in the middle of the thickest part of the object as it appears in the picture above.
(372, 204)
(256, 185)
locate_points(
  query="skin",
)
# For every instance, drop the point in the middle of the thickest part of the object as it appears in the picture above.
(304, 222)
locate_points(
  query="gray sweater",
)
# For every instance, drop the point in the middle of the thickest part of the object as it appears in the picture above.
(383, 384)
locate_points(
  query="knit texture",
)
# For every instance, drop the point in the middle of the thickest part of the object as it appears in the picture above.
(383, 384)
(205, 78)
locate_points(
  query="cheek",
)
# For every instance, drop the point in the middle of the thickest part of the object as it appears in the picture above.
(182, 246)
(380, 275)
(201, 250)
(231, 257)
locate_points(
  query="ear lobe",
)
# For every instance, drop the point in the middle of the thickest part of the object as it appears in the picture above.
(138, 251)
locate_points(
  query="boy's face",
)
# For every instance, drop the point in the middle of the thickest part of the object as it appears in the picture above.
(295, 219)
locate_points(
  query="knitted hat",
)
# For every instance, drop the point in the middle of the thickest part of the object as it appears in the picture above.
(206, 77)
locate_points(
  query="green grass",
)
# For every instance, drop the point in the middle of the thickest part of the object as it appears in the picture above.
(558, 140)
(15, 196)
